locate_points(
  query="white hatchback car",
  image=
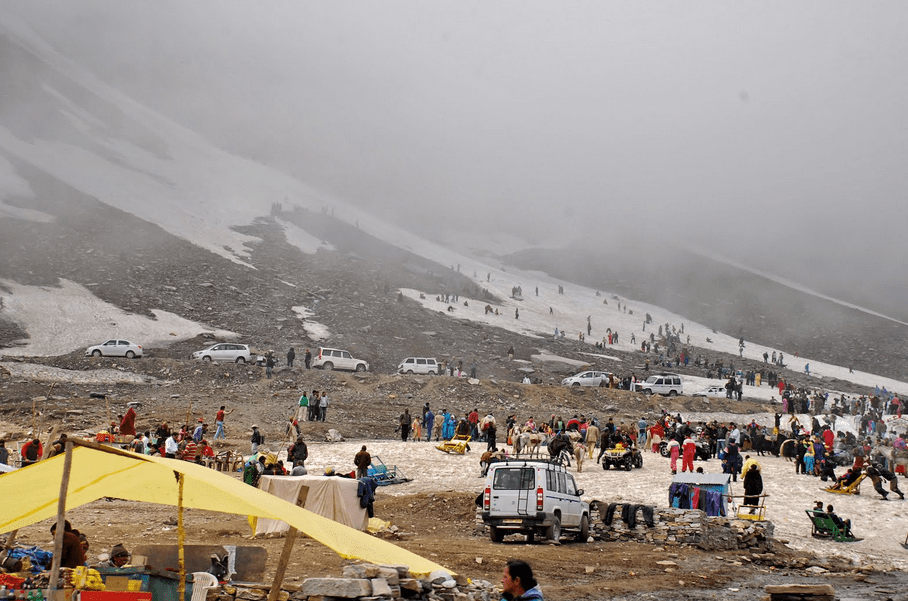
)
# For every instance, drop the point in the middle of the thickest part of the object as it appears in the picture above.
(334, 358)
(418, 365)
(587, 378)
(115, 348)
(713, 391)
(225, 351)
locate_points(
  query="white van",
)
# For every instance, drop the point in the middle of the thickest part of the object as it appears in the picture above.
(664, 384)
(530, 497)
(418, 365)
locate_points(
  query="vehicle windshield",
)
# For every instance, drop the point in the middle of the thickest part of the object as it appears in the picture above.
(513, 478)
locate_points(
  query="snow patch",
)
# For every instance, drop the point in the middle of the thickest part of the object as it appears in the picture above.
(62, 319)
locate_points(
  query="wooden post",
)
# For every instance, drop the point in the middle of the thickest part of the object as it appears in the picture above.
(61, 518)
(10, 541)
(107, 404)
(181, 540)
(34, 421)
(285, 553)
(188, 421)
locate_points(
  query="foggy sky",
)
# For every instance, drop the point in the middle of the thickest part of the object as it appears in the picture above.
(772, 132)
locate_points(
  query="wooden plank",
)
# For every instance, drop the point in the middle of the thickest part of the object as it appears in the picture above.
(61, 518)
(281, 569)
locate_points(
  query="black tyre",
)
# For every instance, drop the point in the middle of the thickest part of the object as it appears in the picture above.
(495, 534)
(328, 366)
(672, 393)
(575, 385)
(584, 528)
(96, 353)
(409, 372)
(531, 537)
(206, 359)
(628, 463)
(638, 461)
(663, 450)
(240, 360)
(553, 532)
(361, 367)
(647, 392)
(432, 372)
(605, 465)
(130, 355)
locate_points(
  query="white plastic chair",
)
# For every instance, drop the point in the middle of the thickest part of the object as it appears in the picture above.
(202, 582)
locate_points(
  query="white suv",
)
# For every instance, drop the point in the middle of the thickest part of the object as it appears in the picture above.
(333, 358)
(664, 384)
(531, 497)
(225, 351)
(418, 365)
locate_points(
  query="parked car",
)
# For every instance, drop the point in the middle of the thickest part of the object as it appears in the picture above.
(533, 497)
(333, 358)
(587, 378)
(664, 384)
(713, 391)
(418, 365)
(115, 348)
(225, 351)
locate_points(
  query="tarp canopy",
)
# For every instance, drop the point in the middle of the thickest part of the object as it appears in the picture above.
(97, 473)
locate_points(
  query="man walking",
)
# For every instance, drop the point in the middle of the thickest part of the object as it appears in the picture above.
(362, 461)
(308, 358)
(219, 422)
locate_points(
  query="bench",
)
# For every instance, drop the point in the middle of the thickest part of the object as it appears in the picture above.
(824, 527)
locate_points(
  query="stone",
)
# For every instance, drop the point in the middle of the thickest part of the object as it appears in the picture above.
(347, 588)
(390, 575)
(410, 584)
(251, 594)
(380, 587)
(799, 589)
(354, 570)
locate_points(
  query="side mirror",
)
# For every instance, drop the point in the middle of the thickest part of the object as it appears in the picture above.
(579, 492)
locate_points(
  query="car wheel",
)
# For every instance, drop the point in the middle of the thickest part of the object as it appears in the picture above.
(647, 392)
(495, 534)
(672, 393)
(531, 537)
(638, 462)
(553, 532)
(96, 353)
(584, 528)
(432, 372)
(663, 450)
(328, 366)
(130, 355)
(628, 463)
(206, 359)
(575, 385)
(361, 367)
(240, 359)
(409, 372)
(602, 383)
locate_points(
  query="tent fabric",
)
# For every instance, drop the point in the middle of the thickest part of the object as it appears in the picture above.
(329, 496)
(98, 473)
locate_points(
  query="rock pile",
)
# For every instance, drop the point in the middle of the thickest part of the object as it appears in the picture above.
(369, 581)
(674, 527)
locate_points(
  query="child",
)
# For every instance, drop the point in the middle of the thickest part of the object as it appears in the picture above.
(809, 461)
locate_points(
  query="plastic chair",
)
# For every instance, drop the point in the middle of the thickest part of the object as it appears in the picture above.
(202, 582)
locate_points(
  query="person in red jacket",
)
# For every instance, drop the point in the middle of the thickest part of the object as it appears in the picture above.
(128, 424)
(31, 452)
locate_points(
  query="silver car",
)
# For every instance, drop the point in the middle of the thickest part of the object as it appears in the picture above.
(587, 378)
(115, 348)
(225, 351)
(333, 358)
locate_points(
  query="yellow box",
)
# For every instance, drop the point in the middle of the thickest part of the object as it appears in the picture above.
(134, 586)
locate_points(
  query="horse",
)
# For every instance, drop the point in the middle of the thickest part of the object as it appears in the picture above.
(528, 442)
(579, 452)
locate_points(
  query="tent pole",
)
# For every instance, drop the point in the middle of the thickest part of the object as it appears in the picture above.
(281, 569)
(61, 518)
(181, 540)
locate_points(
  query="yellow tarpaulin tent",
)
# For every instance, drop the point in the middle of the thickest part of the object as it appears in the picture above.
(32, 493)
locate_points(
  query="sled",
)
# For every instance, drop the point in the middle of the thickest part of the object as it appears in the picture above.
(458, 444)
(824, 527)
(852, 489)
(384, 474)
